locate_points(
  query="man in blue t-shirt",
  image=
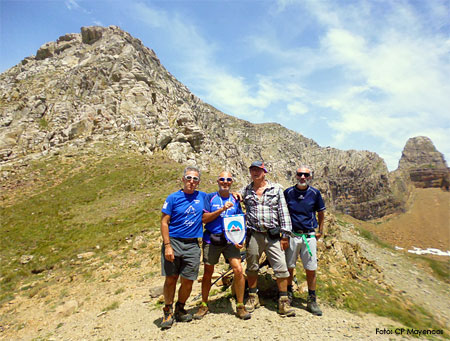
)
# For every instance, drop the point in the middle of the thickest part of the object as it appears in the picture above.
(303, 202)
(181, 226)
(218, 205)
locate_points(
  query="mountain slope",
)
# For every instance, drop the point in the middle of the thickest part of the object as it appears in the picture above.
(105, 85)
(80, 247)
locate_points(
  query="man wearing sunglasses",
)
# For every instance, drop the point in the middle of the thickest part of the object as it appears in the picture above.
(304, 202)
(181, 226)
(218, 205)
(269, 227)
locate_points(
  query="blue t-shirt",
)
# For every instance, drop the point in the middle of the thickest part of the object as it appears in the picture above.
(185, 212)
(213, 202)
(303, 206)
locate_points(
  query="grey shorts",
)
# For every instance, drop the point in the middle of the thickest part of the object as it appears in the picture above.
(211, 253)
(298, 247)
(186, 262)
(259, 243)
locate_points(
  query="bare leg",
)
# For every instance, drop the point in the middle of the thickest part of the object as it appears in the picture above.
(185, 290)
(311, 279)
(170, 284)
(206, 282)
(291, 276)
(239, 280)
(282, 284)
(252, 281)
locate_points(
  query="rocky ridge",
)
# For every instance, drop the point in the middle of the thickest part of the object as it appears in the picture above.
(104, 85)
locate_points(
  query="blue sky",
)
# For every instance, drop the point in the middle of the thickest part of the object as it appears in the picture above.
(363, 75)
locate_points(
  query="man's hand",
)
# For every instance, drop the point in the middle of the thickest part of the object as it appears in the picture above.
(168, 253)
(227, 205)
(239, 246)
(284, 243)
(237, 196)
(318, 235)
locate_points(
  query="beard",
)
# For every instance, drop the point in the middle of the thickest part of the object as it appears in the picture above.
(304, 184)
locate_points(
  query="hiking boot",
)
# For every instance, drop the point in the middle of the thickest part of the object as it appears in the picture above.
(202, 311)
(181, 315)
(242, 313)
(252, 302)
(167, 320)
(312, 306)
(284, 307)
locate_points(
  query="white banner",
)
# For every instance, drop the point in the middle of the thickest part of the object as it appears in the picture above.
(234, 226)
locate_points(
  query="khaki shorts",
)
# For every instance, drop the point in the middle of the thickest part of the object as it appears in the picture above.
(259, 243)
(211, 253)
(298, 247)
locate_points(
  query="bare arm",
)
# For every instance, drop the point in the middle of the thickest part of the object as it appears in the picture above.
(210, 216)
(321, 219)
(168, 251)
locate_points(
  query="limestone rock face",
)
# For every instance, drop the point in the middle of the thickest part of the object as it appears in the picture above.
(104, 86)
(425, 165)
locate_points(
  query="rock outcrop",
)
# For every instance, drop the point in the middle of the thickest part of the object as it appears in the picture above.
(104, 86)
(425, 165)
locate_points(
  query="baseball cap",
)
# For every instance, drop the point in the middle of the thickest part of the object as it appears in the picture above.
(258, 164)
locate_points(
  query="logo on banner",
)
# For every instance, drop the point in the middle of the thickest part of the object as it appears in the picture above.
(234, 226)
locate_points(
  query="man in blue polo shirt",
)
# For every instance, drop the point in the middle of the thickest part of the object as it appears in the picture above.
(303, 202)
(181, 226)
(217, 206)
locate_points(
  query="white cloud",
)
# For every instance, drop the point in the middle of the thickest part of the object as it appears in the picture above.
(396, 73)
(384, 68)
(297, 108)
(72, 4)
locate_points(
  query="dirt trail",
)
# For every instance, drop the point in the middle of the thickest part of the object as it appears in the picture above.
(111, 307)
(138, 318)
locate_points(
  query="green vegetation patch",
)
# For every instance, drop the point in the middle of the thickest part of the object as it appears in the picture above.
(93, 206)
(440, 269)
(367, 297)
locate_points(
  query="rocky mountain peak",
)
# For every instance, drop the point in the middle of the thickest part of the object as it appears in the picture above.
(420, 151)
(424, 163)
(103, 86)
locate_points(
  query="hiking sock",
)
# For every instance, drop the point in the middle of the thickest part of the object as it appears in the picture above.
(283, 293)
(180, 305)
(253, 290)
(312, 293)
(239, 304)
(204, 304)
(289, 288)
(168, 307)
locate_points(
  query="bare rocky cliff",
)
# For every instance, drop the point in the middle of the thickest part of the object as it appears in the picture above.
(105, 86)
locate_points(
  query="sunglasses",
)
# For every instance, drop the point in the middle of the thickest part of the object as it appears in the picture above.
(190, 177)
(307, 175)
(226, 179)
